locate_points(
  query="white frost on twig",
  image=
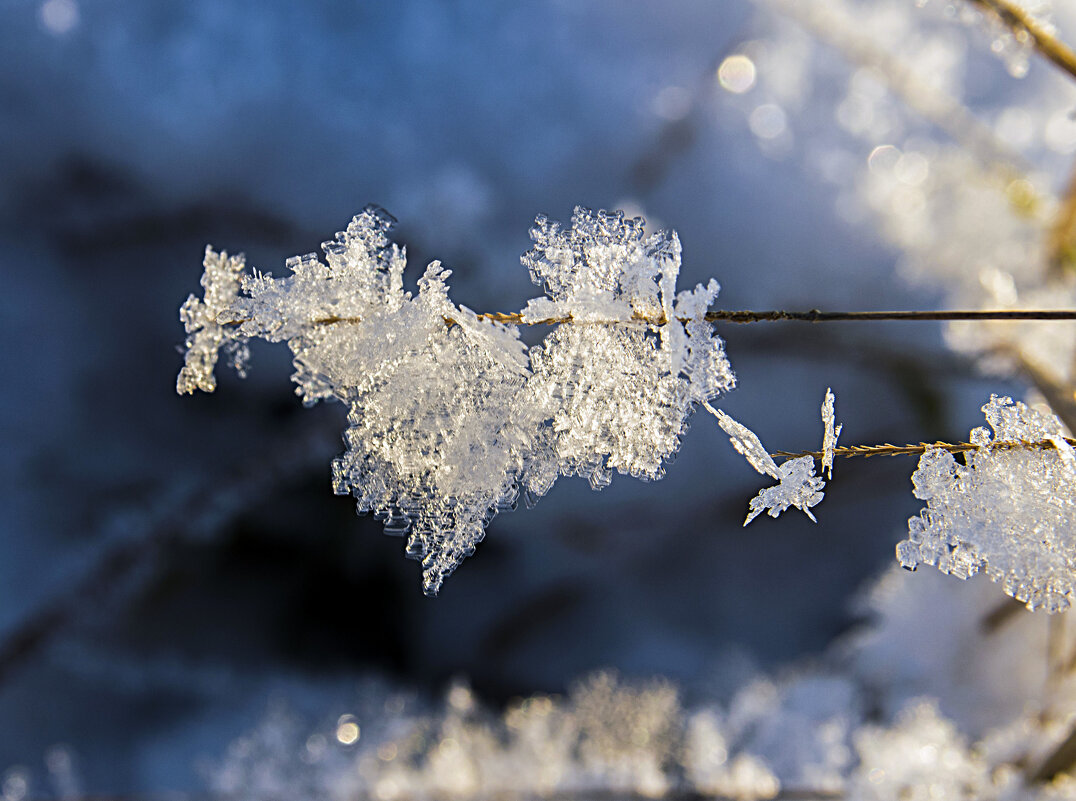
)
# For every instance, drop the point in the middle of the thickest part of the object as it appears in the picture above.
(799, 486)
(452, 417)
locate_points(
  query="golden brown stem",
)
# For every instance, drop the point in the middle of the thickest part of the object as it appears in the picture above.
(867, 451)
(1027, 29)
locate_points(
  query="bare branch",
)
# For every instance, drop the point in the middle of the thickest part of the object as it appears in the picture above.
(1027, 29)
(885, 449)
(771, 316)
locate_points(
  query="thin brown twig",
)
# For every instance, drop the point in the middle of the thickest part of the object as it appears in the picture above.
(1028, 30)
(816, 316)
(886, 449)
(771, 316)
(1061, 244)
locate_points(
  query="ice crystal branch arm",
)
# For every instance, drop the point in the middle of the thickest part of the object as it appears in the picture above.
(205, 334)
(830, 432)
(746, 443)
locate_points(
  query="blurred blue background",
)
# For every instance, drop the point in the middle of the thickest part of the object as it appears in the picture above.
(168, 565)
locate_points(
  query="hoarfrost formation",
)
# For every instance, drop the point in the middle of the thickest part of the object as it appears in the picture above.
(450, 416)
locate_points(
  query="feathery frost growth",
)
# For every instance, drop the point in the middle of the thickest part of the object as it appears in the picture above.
(799, 487)
(450, 416)
(1008, 512)
(615, 395)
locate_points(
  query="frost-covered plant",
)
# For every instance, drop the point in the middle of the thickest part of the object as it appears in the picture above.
(450, 416)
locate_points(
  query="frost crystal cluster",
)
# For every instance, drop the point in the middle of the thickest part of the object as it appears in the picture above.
(799, 486)
(450, 416)
(1009, 512)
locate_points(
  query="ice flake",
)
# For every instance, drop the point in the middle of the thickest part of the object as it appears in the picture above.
(614, 404)
(799, 487)
(746, 442)
(1008, 512)
(436, 441)
(829, 434)
(205, 334)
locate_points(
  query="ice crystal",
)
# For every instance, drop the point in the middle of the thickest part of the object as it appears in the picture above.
(713, 772)
(347, 320)
(961, 715)
(799, 487)
(747, 443)
(449, 415)
(829, 434)
(435, 439)
(1008, 512)
(606, 736)
(434, 443)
